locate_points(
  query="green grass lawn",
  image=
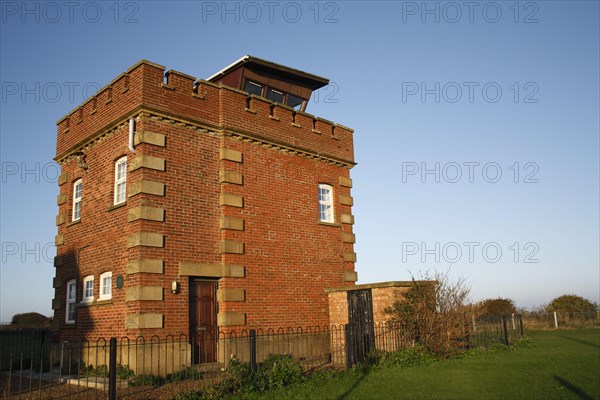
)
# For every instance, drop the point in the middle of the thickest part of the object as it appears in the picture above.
(553, 365)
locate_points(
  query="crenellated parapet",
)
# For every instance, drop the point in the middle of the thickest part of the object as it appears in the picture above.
(147, 88)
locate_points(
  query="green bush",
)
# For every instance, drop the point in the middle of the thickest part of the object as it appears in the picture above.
(277, 371)
(189, 396)
(147, 380)
(410, 357)
(280, 371)
(124, 372)
(100, 371)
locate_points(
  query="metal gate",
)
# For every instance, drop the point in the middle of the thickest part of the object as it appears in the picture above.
(360, 332)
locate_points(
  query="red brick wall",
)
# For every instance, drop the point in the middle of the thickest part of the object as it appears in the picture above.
(216, 107)
(289, 258)
(97, 242)
(383, 295)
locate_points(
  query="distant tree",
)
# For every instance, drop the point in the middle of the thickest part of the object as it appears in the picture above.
(30, 320)
(571, 304)
(496, 307)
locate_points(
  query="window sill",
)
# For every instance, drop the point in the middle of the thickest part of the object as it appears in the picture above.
(74, 222)
(94, 303)
(123, 204)
(330, 224)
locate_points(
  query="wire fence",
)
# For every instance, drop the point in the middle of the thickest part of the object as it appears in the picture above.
(562, 320)
(34, 367)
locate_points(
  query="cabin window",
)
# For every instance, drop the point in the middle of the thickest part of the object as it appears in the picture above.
(275, 95)
(253, 88)
(294, 101)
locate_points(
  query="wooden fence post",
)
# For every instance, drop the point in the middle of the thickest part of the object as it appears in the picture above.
(521, 324)
(513, 320)
(505, 330)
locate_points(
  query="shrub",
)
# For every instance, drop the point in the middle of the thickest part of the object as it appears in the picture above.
(277, 371)
(124, 372)
(280, 371)
(434, 312)
(89, 371)
(410, 357)
(30, 320)
(496, 307)
(572, 304)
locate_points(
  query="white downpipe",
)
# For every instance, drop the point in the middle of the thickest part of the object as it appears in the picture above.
(131, 131)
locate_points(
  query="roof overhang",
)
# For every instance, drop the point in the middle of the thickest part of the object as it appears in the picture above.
(310, 80)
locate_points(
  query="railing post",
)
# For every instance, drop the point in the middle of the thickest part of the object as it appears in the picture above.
(112, 370)
(505, 330)
(253, 365)
(348, 345)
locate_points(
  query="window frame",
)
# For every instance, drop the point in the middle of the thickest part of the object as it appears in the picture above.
(266, 89)
(85, 298)
(71, 301)
(101, 294)
(257, 86)
(297, 106)
(120, 181)
(77, 200)
(277, 92)
(330, 218)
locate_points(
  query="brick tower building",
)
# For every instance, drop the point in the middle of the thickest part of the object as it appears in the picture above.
(190, 206)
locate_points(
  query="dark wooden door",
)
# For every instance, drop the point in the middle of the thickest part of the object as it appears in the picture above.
(360, 333)
(203, 320)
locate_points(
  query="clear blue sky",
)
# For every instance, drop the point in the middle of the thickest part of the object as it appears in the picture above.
(472, 91)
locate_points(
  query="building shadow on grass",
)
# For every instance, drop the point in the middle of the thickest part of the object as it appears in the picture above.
(364, 371)
(581, 341)
(573, 389)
